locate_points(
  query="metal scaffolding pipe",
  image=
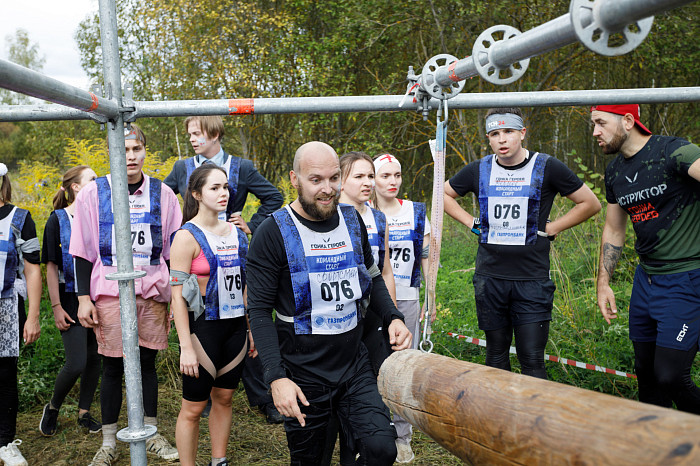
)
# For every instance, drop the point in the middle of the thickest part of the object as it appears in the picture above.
(611, 14)
(615, 14)
(136, 433)
(20, 79)
(387, 103)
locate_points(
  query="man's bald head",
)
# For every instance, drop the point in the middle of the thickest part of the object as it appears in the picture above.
(313, 148)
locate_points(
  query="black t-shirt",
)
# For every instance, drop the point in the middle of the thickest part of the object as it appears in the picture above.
(662, 200)
(28, 232)
(52, 251)
(328, 359)
(519, 262)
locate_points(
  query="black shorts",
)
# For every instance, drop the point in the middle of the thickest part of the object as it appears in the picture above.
(358, 406)
(501, 303)
(221, 347)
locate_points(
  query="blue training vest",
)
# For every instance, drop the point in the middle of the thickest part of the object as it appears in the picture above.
(64, 226)
(106, 220)
(211, 302)
(380, 222)
(533, 205)
(299, 268)
(12, 261)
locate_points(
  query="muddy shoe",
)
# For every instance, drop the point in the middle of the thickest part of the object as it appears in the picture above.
(158, 445)
(90, 423)
(10, 455)
(404, 454)
(49, 418)
(105, 456)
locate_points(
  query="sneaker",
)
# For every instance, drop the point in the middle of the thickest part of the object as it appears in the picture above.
(49, 418)
(271, 414)
(10, 455)
(105, 456)
(90, 423)
(161, 447)
(223, 463)
(404, 454)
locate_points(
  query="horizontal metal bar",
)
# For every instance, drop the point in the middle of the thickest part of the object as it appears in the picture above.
(20, 79)
(42, 112)
(386, 103)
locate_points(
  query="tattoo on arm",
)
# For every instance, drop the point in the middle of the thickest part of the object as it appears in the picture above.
(611, 254)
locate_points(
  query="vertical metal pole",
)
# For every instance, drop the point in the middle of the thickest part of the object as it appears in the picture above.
(136, 433)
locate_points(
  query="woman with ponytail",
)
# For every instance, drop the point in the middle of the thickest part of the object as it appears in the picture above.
(19, 257)
(207, 276)
(79, 342)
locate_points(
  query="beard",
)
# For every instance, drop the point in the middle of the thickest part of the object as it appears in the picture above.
(615, 144)
(314, 210)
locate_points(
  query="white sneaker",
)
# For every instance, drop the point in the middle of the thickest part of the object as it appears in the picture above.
(161, 447)
(404, 454)
(10, 455)
(105, 456)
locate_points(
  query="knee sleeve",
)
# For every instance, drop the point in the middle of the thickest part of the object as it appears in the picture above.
(377, 450)
(672, 371)
(498, 348)
(649, 390)
(530, 343)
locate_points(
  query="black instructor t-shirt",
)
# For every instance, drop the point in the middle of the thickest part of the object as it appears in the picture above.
(663, 202)
(519, 262)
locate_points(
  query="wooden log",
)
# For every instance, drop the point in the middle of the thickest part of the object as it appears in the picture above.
(489, 416)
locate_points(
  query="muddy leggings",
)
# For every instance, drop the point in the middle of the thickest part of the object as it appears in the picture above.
(530, 342)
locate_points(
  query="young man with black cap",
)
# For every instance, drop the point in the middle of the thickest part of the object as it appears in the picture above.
(655, 181)
(516, 189)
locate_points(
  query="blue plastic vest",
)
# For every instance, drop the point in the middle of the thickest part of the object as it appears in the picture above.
(211, 302)
(298, 266)
(106, 220)
(64, 226)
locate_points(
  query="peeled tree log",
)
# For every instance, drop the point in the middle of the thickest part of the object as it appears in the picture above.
(489, 416)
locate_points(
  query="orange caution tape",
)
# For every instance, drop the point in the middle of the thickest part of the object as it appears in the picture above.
(240, 106)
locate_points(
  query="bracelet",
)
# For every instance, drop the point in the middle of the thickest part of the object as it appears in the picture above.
(54, 305)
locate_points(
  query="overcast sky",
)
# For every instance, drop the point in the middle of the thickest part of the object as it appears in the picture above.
(51, 24)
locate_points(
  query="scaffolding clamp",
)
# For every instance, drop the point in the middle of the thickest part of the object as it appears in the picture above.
(128, 105)
(595, 35)
(484, 61)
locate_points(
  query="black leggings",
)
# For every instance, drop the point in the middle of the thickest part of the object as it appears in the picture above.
(530, 342)
(111, 388)
(82, 361)
(663, 375)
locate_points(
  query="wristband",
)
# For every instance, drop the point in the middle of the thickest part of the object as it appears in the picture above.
(476, 226)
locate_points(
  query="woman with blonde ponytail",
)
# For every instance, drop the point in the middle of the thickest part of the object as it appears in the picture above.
(19, 257)
(79, 342)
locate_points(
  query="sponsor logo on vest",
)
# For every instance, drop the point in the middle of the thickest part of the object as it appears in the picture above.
(681, 334)
(642, 194)
(316, 246)
(633, 179)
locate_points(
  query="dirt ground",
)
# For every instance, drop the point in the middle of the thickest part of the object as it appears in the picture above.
(252, 441)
